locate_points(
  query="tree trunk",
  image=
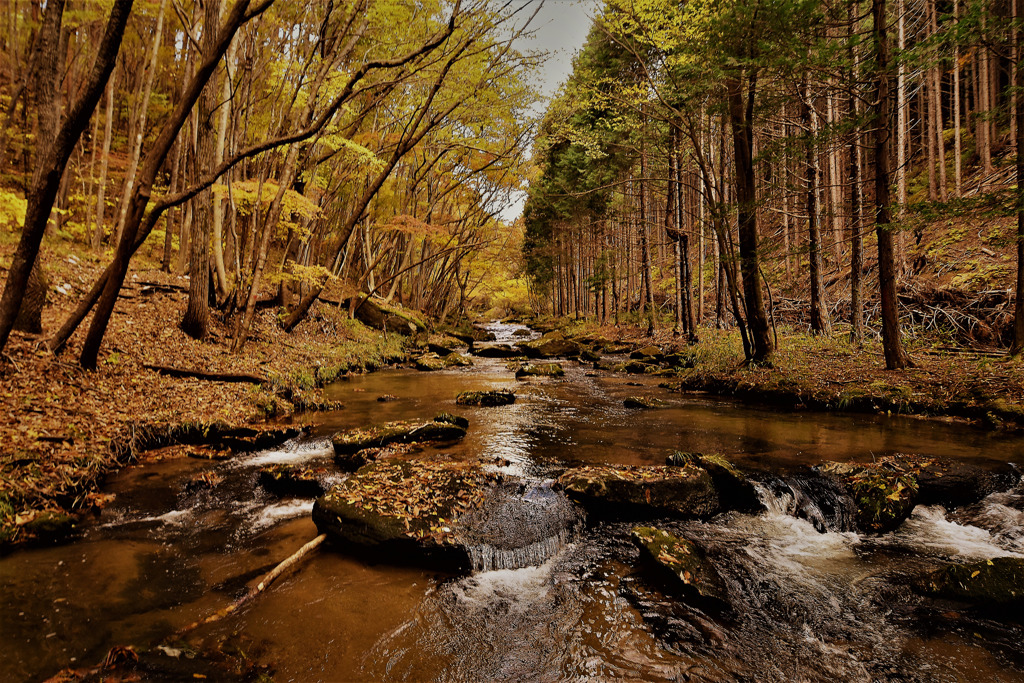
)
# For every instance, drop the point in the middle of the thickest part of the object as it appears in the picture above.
(1018, 311)
(819, 312)
(895, 356)
(196, 320)
(50, 168)
(740, 115)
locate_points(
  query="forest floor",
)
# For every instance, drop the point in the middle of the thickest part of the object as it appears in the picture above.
(64, 428)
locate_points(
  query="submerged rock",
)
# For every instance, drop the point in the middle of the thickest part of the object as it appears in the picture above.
(539, 370)
(291, 480)
(998, 582)
(497, 397)
(685, 562)
(613, 491)
(735, 492)
(394, 432)
(644, 402)
(449, 515)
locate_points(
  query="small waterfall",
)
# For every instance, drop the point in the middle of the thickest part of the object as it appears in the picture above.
(820, 500)
(519, 526)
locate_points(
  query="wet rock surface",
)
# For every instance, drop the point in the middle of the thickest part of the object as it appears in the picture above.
(539, 370)
(292, 480)
(692, 573)
(499, 397)
(611, 491)
(450, 515)
(551, 345)
(735, 492)
(644, 403)
(496, 351)
(997, 582)
(395, 432)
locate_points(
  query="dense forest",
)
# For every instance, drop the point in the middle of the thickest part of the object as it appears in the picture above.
(753, 163)
(367, 145)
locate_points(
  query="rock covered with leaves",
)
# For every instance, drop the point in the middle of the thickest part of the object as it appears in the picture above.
(407, 510)
(613, 491)
(682, 560)
(884, 493)
(496, 397)
(400, 431)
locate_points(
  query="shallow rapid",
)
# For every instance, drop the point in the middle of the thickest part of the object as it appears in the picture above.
(809, 598)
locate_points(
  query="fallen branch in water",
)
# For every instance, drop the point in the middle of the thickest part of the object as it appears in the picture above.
(258, 588)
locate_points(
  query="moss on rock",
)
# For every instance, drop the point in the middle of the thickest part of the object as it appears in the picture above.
(998, 582)
(394, 432)
(540, 370)
(685, 562)
(497, 397)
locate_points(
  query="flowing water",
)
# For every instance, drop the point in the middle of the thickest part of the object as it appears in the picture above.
(809, 599)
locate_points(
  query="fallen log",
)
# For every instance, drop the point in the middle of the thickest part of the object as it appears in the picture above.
(258, 588)
(203, 374)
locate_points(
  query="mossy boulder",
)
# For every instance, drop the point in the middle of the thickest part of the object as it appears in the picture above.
(291, 480)
(648, 354)
(394, 432)
(636, 367)
(521, 332)
(735, 492)
(456, 420)
(429, 363)
(998, 582)
(644, 403)
(615, 348)
(539, 370)
(496, 351)
(49, 525)
(497, 397)
(457, 360)
(883, 493)
(551, 345)
(625, 491)
(381, 317)
(683, 561)
(590, 356)
(405, 510)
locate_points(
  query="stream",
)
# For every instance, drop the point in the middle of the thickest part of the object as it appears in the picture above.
(811, 601)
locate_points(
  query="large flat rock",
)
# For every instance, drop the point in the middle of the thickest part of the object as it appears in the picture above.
(613, 491)
(377, 436)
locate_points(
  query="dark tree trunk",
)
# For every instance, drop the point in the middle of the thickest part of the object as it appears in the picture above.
(896, 357)
(50, 168)
(196, 321)
(819, 315)
(740, 115)
(1018, 311)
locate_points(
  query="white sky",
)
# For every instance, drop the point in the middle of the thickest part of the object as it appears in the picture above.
(560, 28)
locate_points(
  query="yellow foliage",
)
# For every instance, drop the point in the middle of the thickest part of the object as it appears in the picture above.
(12, 209)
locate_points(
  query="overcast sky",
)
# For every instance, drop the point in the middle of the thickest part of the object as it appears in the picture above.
(560, 28)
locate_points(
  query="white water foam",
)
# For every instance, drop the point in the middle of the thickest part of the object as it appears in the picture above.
(289, 509)
(291, 452)
(929, 529)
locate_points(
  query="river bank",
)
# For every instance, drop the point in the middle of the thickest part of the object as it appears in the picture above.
(66, 428)
(829, 373)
